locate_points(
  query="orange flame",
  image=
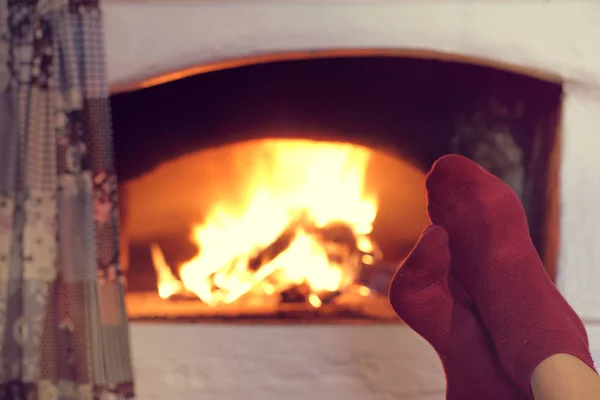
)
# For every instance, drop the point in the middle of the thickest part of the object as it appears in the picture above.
(296, 180)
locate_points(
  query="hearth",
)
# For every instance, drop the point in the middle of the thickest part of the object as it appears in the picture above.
(291, 190)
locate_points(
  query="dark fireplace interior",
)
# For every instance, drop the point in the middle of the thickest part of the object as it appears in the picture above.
(345, 143)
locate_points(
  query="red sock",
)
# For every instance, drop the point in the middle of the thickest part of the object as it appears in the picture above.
(427, 297)
(495, 261)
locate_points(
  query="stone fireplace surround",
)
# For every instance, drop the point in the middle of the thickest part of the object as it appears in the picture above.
(553, 40)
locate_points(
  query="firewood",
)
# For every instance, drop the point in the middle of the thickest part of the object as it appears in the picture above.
(295, 294)
(279, 245)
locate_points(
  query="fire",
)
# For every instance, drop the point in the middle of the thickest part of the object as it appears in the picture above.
(303, 220)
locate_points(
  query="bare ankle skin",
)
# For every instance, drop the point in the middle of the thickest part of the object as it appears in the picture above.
(564, 377)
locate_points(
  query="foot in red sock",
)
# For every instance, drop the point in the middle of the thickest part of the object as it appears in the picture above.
(495, 261)
(426, 296)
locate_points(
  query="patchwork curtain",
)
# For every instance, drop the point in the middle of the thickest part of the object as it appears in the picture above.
(63, 326)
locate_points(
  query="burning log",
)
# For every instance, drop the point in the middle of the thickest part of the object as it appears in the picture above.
(295, 294)
(330, 297)
(336, 233)
(341, 246)
(279, 245)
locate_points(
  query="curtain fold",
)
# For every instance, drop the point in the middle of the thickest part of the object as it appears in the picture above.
(63, 325)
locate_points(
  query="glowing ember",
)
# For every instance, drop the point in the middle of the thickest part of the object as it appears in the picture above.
(304, 225)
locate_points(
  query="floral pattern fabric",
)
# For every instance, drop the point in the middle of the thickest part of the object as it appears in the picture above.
(63, 325)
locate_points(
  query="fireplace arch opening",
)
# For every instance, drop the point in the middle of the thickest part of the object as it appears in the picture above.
(247, 191)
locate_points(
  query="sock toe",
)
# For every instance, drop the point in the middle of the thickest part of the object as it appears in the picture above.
(462, 195)
(453, 171)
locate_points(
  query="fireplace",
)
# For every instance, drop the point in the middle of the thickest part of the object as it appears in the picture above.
(149, 42)
(292, 190)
